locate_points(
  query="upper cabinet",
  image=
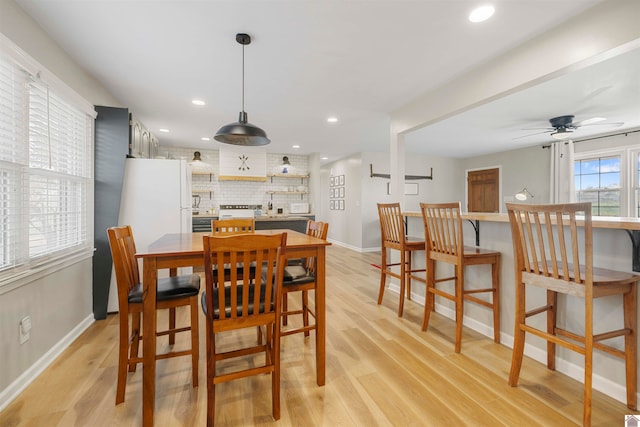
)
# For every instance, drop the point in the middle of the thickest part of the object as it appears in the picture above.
(142, 143)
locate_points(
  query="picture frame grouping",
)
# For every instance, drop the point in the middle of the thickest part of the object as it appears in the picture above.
(336, 192)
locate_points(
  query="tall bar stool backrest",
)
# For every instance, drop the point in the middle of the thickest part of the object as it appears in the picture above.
(392, 229)
(317, 229)
(123, 248)
(443, 231)
(233, 226)
(550, 246)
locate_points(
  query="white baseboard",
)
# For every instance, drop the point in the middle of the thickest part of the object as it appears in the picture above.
(354, 248)
(614, 390)
(15, 388)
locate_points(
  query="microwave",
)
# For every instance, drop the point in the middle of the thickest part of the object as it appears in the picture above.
(299, 208)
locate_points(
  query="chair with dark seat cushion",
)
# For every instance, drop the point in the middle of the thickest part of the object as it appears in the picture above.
(243, 302)
(172, 292)
(301, 278)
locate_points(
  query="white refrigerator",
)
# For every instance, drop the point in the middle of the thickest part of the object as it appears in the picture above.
(155, 200)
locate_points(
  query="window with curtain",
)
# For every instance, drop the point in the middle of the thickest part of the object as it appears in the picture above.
(45, 172)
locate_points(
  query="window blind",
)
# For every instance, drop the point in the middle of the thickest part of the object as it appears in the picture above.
(14, 122)
(59, 172)
(46, 172)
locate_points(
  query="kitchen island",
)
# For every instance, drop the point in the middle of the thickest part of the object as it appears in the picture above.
(297, 222)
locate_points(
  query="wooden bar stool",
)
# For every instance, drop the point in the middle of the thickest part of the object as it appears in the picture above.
(243, 302)
(393, 236)
(551, 252)
(172, 292)
(302, 278)
(445, 243)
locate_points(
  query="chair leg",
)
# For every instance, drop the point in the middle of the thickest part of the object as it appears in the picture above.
(135, 340)
(552, 313)
(383, 275)
(123, 360)
(211, 370)
(518, 334)
(172, 325)
(429, 298)
(305, 311)
(275, 375)
(285, 308)
(630, 309)
(403, 281)
(193, 308)
(408, 274)
(588, 360)
(495, 284)
(459, 306)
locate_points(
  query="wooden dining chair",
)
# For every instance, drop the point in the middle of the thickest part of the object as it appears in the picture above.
(553, 252)
(172, 292)
(227, 227)
(243, 303)
(301, 278)
(445, 243)
(393, 236)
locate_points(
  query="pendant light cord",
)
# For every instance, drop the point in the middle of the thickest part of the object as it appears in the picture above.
(243, 78)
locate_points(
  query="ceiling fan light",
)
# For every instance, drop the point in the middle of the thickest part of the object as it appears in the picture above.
(562, 133)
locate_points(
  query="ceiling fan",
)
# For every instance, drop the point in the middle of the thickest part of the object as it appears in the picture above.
(562, 127)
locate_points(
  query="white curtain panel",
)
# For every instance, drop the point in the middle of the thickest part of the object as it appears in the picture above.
(562, 183)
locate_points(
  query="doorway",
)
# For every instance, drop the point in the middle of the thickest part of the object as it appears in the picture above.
(483, 190)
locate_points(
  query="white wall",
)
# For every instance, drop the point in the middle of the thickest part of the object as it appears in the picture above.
(60, 304)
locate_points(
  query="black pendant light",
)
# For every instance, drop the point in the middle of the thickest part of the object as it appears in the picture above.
(242, 132)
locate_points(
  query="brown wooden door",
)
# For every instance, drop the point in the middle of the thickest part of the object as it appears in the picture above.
(483, 190)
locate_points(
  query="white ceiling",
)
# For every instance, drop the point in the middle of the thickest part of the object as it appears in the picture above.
(357, 60)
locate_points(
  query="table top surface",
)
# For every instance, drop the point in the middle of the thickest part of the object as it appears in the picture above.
(615, 222)
(191, 243)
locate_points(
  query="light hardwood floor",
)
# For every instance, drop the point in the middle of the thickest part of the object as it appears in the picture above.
(381, 371)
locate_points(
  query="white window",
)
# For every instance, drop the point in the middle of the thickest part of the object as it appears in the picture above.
(599, 180)
(46, 170)
(610, 180)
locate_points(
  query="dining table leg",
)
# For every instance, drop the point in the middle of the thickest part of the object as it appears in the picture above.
(321, 326)
(149, 285)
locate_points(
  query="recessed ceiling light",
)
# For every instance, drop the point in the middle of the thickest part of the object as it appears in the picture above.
(163, 130)
(198, 102)
(324, 158)
(481, 13)
(295, 146)
(332, 120)
(205, 138)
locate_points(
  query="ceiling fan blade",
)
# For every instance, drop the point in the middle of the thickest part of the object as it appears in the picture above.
(531, 134)
(548, 129)
(602, 124)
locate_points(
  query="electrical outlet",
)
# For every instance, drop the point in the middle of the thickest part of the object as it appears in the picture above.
(25, 329)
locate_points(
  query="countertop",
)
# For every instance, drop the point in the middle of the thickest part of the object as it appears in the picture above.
(264, 217)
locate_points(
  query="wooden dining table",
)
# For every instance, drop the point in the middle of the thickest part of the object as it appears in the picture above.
(172, 251)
